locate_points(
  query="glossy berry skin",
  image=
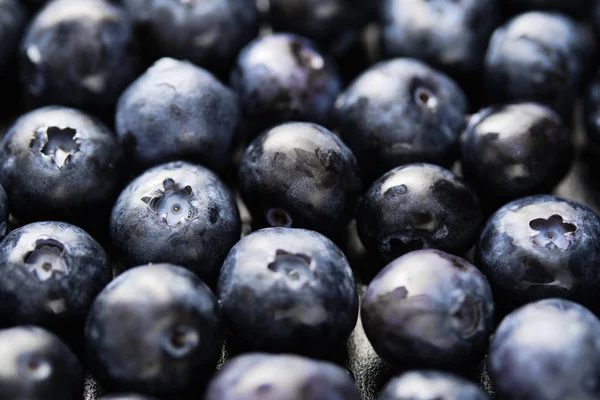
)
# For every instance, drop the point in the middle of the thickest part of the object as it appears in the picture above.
(516, 150)
(288, 290)
(539, 247)
(398, 112)
(11, 26)
(418, 206)
(429, 309)
(537, 56)
(450, 35)
(156, 330)
(38, 365)
(284, 77)
(258, 376)
(178, 111)
(300, 175)
(592, 107)
(57, 163)
(572, 7)
(431, 385)
(80, 54)
(50, 273)
(207, 33)
(546, 350)
(333, 24)
(178, 213)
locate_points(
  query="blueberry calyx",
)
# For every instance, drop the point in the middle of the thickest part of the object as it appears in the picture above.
(173, 203)
(554, 233)
(36, 368)
(59, 144)
(295, 267)
(277, 217)
(182, 341)
(47, 259)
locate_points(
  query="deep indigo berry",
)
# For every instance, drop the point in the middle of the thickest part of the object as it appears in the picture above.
(418, 206)
(155, 329)
(547, 350)
(539, 247)
(300, 175)
(288, 290)
(12, 22)
(50, 273)
(207, 33)
(57, 163)
(38, 365)
(431, 385)
(284, 77)
(4, 213)
(78, 54)
(451, 35)
(538, 56)
(429, 309)
(178, 213)
(178, 111)
(257, 376)
(512, 151)
(592, 107)
(398, 112)
(573, 7)
(334, 24)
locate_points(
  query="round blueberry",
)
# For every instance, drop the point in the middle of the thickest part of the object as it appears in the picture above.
(538, 56)
(334, 24)
(283, 77)
(452, 35)
(155, 329)
(178, 213)
(516, 150)
(58, 163)
(50, 273)
(398, 112)
(429, 309)
(539, 247)
(38, 365)
(288, 290)
(208, 33)
(300, 175)
(12, 22)
(431, 385)
(592, 107)
(418, 206)
(78, 54)
(547, 350)
(257, 376)
(178, 111)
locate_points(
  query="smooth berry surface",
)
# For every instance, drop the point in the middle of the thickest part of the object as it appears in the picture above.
(429, 385)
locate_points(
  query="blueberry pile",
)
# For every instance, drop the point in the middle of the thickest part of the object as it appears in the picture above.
(299, 199)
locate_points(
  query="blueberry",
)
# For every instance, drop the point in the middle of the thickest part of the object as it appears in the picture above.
(451, 35)
(58, 163)
(512, 151)
(257, 376)
(300, 175)
(398, 112)
(178, 111)
(178, 213)
(572, 7)
(539, 247)
(78, 54)
(334, 24)
(538, 56)
(418, 206)
(284, 77)
(431, 385)
(4, 214)
(547, 350)
(38, 365)
(12, 22)
(429, 309)
(592, 107)
(50, 273)
(155, 329)
(288, 290)
(207, 33)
